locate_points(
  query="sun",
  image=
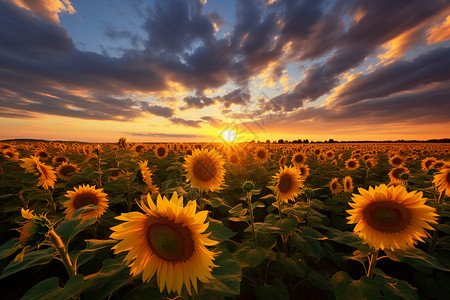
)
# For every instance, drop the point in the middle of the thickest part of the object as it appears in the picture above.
(229, 135)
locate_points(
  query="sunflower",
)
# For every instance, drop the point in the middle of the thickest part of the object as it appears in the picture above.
(261, 154)
(122, 143)
(427, 163)
(85, 195)
(47, 176)
(161, 151)
(396, 161)
(390, 217)
(370, 163)
(288, 183)
(304, 171)
(144, 173)
(59, 159)
(168, 240)
(42, 154)
(11, 154)
(299, 158)
(64, 170)
(352, 164)
(442, 181)
(330, 154)
(348, 184)
(395, 173)
(335, 186)
(440, 164)
(282, 161)
(138, 149)
(233, 158)
(205, 169)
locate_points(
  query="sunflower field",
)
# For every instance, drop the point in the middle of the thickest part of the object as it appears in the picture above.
(224, 221)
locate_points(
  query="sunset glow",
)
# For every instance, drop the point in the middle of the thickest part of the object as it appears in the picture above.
(174, 71)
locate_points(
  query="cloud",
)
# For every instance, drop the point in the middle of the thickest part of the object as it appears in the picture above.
(47, 9)
(157, 110)
(198, 101)
(440, 33)
(187, 123)
(163, 135)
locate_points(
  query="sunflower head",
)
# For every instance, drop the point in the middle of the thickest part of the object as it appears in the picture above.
(427, 163)
(352, 164)
(441, 181)
(261, 154)
(35, 229)
(299, 158)
(83, 196)
(248, 186)
(335, 186)
(60, 159)
(161, 151)
(168, 240)
(65, 170)
(348, 184)
(390, 217)
(288, 183)
(122, 143)
(396, 161)
(205, 169)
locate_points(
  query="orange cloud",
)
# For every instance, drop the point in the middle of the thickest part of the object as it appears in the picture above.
(47, 9)
(439, 33)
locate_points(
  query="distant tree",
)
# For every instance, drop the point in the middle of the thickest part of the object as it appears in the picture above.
(280, 141)
(267, 141)
(306, 141)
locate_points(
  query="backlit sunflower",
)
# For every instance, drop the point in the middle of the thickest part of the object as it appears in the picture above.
(352, 164)
(304, 171)
(139, 148)
(348, 184)
(427, 163)
(144, 174)
(65, 169)
(288, 183)
(395, 173)
(330, 154)
(85, 195)
(391, 218)
(440, 164)
(261, 154)
(442, 181)
(335, 186)
(205, 169)
(282, 161)
(370, 163)
(11, 154)
(59, 159)
(396, 161)
(161, 151)
(299, 158)
(47, 176)
(42, 154)
(233, 158)
(168, 240)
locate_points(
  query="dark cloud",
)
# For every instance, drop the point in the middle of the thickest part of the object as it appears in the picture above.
(239, 96)
(214, 122)
(399, 76)
(163, 135)
(198, 101)
(157, 110)
(187, 123)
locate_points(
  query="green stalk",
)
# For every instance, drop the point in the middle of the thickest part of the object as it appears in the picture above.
(62, 252)
(372, 264)
(249, 201)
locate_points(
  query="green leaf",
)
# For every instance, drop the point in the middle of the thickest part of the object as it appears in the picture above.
(218, 231)
(287, 224)
(72, 227)
(276, 291)
(309, 233)
(317, 204)
(340, 282)
(35, 258)
(395, 287)
(238, 211)
(89, 252)
(248, 256)
(363, 289)
(113, 275)
(308, 247)
(227, 277)
(416, 258)
(443, 227)
(349, 238)
(8, 248)
(49, 289)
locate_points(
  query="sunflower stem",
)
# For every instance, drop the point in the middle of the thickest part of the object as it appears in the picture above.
(282, 235)
(372, 264)
(52, 203)
(252, 220)
(366, 178)
(99, 170)
(62, 252)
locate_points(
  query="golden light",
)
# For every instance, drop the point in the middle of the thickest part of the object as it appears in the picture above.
(229, 135)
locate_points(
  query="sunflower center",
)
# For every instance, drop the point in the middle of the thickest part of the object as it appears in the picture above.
(298, 158)
(387, 216)
(397, 160)
(83, 200)
(42, 154)
(204, 169)
(65, 170)
(170, 241)
(285, 183)
(396, 173)
(139, 148)
(428, 163)
(161, 151)
(334, 185)
(261, 153)
(348, 185)
(61, 159)
(351, 164)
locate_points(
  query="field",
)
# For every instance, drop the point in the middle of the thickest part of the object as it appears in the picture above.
(255, 221)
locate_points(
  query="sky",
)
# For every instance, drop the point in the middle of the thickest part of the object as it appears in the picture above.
(187, 70)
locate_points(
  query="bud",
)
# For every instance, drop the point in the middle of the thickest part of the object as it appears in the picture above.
(309, 192)
(248, 186)
(35, 229)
